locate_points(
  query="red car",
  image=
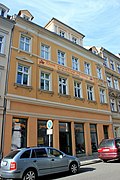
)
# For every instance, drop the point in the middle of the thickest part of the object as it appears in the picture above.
(109, 149)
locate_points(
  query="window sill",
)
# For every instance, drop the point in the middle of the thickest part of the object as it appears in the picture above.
(2, 55)
(64, 95)
(81, 99)
(46, 91)
(23, 86)
(90, 101)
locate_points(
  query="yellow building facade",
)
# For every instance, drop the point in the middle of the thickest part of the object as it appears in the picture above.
(52, 77)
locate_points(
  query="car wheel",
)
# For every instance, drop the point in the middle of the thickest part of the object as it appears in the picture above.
(73, 168)
(30, 174)
(104, 160)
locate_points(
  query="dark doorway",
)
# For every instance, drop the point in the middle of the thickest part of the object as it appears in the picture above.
(65, 137)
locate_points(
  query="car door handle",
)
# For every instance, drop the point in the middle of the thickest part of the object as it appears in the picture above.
(34, 161)
(52, 160)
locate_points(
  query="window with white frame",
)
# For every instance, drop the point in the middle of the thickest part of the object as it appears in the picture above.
(25, 43)
(45, 81)
(109, 81)
(105, 61)
(75, 64)
(87, 68)
(45, 52)
(118, 68)
(23, 75)
(61, 58)
(62, 85)
(99, 72)
(90, 93)
(77, 89)
(1, 44)
(102, 96)
(74, 39)
(112, 65)
(118, 105)
(62, 33)
(113, 104)
(116, 84)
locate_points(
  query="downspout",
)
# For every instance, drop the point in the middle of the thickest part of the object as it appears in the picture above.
(5, 93)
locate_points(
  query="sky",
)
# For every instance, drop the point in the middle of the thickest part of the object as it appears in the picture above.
(98, 20)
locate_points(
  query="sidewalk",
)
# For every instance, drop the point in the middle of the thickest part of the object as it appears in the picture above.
(85, 160)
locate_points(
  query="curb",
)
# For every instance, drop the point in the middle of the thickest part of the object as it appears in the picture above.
(92, 161)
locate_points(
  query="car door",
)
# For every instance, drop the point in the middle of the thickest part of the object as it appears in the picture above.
(41, 161)
(58, 159)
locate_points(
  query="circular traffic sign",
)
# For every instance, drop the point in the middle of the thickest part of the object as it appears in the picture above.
(49, 124)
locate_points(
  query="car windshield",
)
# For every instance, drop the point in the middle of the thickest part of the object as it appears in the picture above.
(106, 143)
(12, 154)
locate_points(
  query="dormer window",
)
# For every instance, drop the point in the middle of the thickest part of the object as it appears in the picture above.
(74, 40)
(2, 13)
(62, 33)
(26, 17)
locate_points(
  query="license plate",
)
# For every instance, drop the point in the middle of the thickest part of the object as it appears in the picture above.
(105, 150)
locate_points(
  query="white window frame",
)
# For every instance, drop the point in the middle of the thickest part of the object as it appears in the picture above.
(109, 82)
(45, 81)
(77, 89)
(74, 39)
(61, 58)
(118, 105)
(23, 73)
(118, 68)
(99, 72)
(113, 104)
(105, 61)
(63, 84)
(75, 63)
(87, 68)
(2, 42)
(45, 51)
(62, 33)
(24, 43)
(102, 96)
(112, 65)
(116, 84)
(90, 92)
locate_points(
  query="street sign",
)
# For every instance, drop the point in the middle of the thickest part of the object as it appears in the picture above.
(49, 131)
(49, 124)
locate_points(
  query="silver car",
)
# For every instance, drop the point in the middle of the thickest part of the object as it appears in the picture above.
(29, 163)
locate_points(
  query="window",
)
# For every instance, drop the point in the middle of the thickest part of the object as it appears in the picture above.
(90, 93)
(113, 104)
(87, 68)
(26, 17)
(54, 153)
(62, 85)
(45, 52)
(39, 153)
(77, 89)
(105, 129)
(116, 84)
(74, 40)
(45, 81)
(112, 65)
(118, 105)
(99, 72)
(26, 154)
(23, 73)
(94, 141)
(75, 64)
(102, 96)
(118, 68)
(109, 81)
(25, 43)
(79, 138)
(19, 133)
(2, 13)
(61, 58)
(62, 33)
(1, 43)
(105, 61)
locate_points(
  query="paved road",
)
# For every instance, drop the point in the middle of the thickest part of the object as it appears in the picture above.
(97, 171)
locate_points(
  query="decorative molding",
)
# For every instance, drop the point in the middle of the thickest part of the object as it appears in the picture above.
(24, 59)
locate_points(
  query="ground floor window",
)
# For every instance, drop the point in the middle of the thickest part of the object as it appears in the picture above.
(94, 141)
(105, 129)
(65, 137)
(19, 133)
(79, 138)
(42, 137)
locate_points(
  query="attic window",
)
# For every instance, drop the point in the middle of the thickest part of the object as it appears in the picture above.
(2, 13)
(26, 17)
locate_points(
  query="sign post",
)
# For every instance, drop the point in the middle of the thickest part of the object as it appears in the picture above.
(49, 130)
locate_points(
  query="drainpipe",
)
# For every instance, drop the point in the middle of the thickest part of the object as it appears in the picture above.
(5, 93)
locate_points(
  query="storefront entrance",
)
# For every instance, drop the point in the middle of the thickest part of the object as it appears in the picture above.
(65, 137)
